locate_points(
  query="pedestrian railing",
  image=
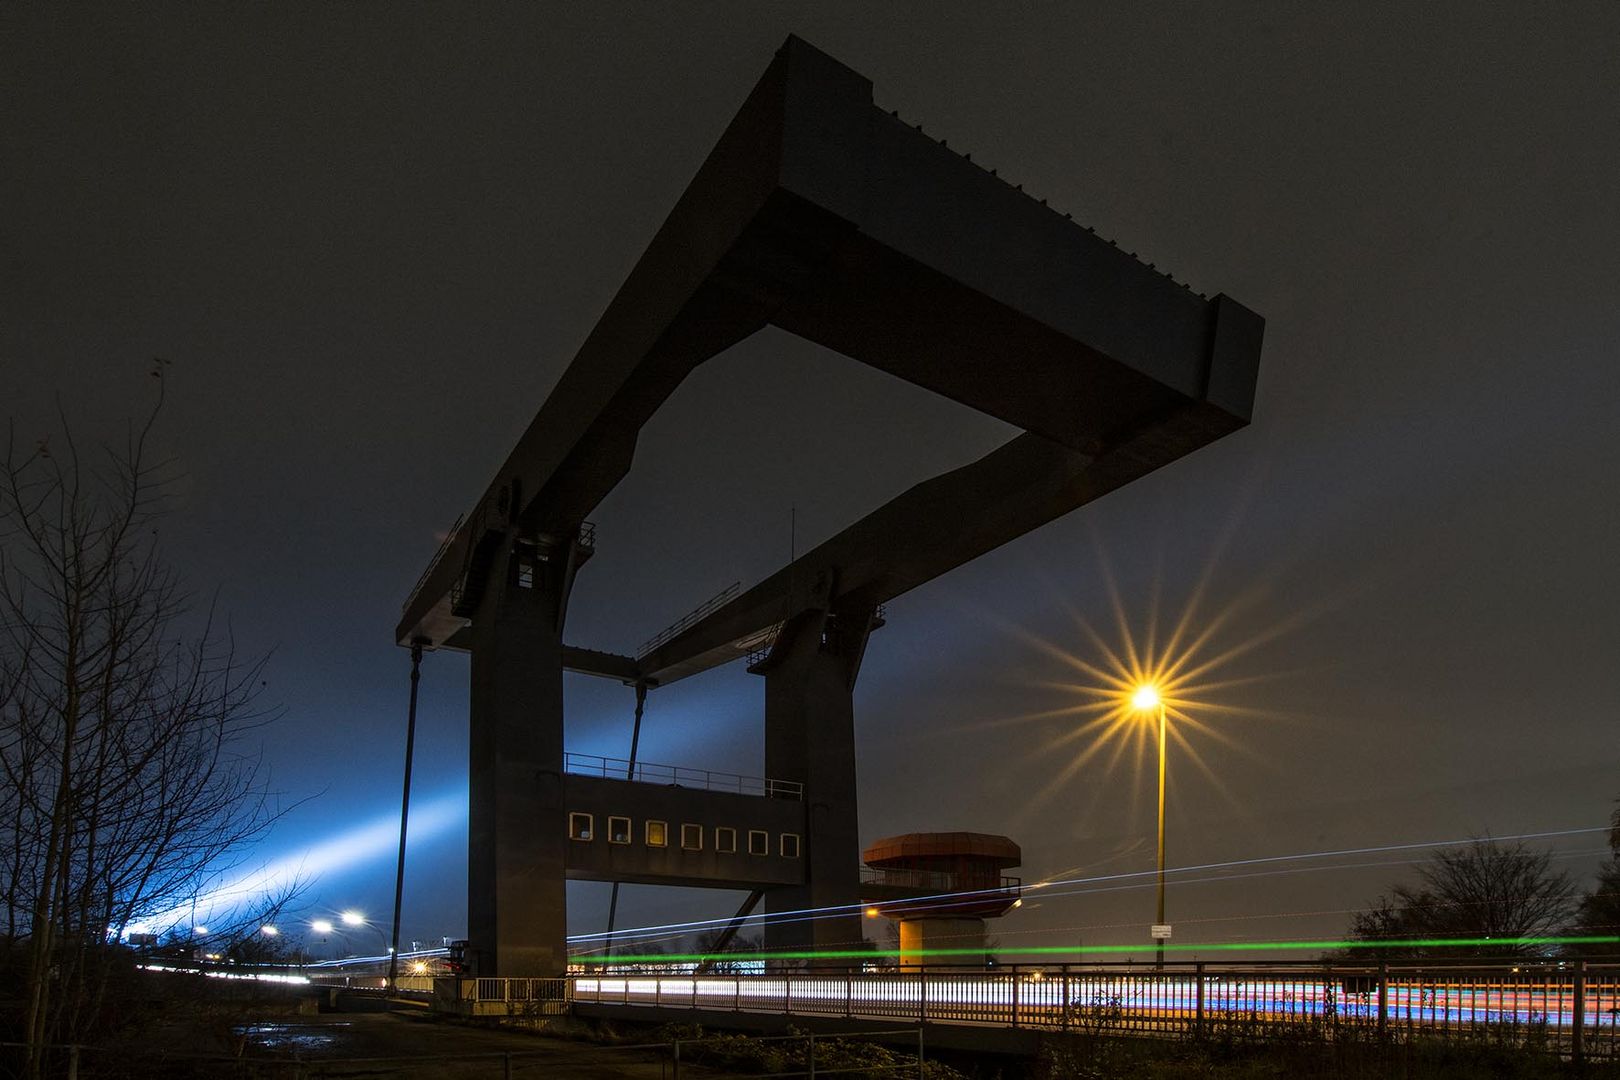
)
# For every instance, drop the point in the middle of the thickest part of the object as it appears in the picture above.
(501, 997)
(798, 1055)
(940, 881)
(649, 772)
(1571, 1008)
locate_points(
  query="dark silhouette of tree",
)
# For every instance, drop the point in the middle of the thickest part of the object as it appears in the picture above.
(1598, 913)
(736, 958)
(128, 786)
(1488, 893)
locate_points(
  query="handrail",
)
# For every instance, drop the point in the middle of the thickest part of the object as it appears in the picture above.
(689, 619)
(943, 881)
(433, 563)
(649, 772)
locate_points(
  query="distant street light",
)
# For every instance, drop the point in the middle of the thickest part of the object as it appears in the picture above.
(269, 931)
(356, 919)
(1145, 700)
(321, 926)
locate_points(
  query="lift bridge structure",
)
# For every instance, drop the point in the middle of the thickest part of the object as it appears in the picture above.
(821, 214)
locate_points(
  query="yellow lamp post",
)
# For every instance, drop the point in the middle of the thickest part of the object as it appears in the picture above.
(1145, 700)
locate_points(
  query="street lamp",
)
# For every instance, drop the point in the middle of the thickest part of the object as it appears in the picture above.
(1145, 700)
(356, 919)
(321, 926)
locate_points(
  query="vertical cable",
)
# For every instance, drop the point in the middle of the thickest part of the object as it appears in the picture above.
(629, 774)
(405, 809)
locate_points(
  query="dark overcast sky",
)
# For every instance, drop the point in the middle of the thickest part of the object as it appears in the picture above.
(369, 239)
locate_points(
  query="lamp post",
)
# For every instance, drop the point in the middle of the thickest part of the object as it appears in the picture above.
(1145, 700)
(355, 919)
(324, 928)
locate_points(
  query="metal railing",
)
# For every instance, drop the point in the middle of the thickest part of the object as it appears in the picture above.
(1572, 1009)
(757, 648)
(649, 772)
(444, 545)
(940, 881)
(501, 996)
(689, 619)
(798, 1055)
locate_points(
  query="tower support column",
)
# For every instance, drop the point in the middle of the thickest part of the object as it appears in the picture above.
(517, 833)
(810, 739)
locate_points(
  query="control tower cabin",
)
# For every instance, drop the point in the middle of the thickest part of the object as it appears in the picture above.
(954, 881)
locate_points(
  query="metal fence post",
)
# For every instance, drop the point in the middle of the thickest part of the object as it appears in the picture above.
(812, 1054)
(920, 1067)
(1015, 997)
(849, 994)
(1198, 1010)
(1064, 1004)
(1383, 997)
(922, 995)
(1577, 1046)
(506, 1065)
(675, 1063)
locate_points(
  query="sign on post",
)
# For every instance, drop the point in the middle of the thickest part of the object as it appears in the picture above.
(1161, 931)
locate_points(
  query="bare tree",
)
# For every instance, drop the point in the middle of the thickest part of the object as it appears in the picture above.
(735, 957)
(128, 784)
(1486, 894)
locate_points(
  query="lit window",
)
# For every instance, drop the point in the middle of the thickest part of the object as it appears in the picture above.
(618, 830)
(759, 842)
(725, 840)
(691, 838)
(790, 845)
(657, 834)
(581, 827)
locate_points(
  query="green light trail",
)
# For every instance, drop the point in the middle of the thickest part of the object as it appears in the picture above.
(1112, 950)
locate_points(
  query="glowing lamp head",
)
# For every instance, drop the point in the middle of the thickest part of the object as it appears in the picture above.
(353, 918)
(419, 968)
(269, 931)
(872, 913)
(200, 931)
(1146, 698)
(321, 926)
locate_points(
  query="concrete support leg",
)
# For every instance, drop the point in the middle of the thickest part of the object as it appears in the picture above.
(517, 835)
(810, 738)
(920, 938)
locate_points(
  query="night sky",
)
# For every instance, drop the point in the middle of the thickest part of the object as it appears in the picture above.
(369, 240)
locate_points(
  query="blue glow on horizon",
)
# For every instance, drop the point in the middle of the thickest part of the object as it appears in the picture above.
(372, 842)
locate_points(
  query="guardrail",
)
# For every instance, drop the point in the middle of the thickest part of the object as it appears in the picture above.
(797, 1055)
(444, 545)
(1572, 1009)
(679, 776)
(691, 618)
(941, 881)
(501, 997)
